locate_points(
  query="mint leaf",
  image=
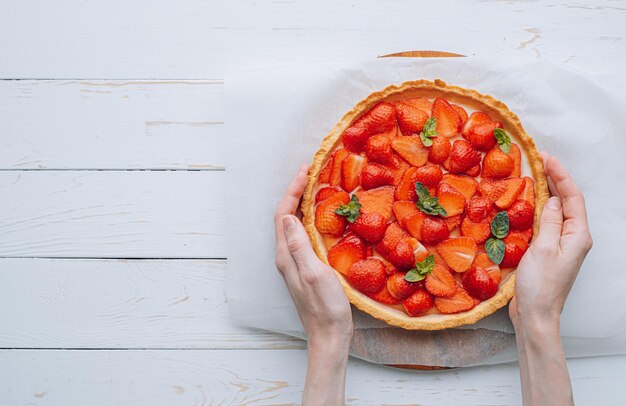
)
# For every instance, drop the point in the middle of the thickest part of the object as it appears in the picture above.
(429, 131)
(503, 140)
(500, 225)
(495, 250)
(351, 210)
(421, 269)
(427, 203)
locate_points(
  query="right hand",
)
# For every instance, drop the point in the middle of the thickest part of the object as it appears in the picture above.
(547, 271)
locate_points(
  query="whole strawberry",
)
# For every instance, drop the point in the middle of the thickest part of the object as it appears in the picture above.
(368, 275)
(479, 284)
(369, 226)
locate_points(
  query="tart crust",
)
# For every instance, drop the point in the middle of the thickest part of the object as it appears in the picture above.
(465, 97)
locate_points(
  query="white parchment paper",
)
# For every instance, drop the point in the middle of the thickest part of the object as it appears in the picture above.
(276, 119)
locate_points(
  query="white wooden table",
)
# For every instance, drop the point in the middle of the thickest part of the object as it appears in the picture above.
(112, 142)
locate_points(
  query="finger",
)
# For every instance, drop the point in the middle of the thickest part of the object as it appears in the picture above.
(544, 158)
(299, 244)
(566, 189)
(550, 223)
(289, 202)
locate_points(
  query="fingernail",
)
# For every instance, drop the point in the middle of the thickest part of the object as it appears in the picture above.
(288, 222)
(554, 203)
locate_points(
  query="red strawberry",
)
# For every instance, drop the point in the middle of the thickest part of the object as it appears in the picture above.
(478, 208)
(473, 171)
(463, 184)
(355, 138)
(478, 231)
(405, 190)
(399, 288)
(462, 113)
(378, 148)
(379, 200)
(491, 189)
(514, 249)
(479, 284)
(413, 223)
(375, 175)
(326, 192)
(324, 176)
(368, 275)
(458, 252)
(479, 131)
(418, 303)
(379, 119)
(384, 297)
(450, 199)
(402, 209)
(348, 250)
(335, 174)
(462, 157)
(429, 175)
(397, 166)
(497, 164)
(403, 255)
(411, 119)
(453, 221)
(513, 188)
(448, 120)
(393, 234)
(440, 282)
(525, 235)
(440, 150)
(411, 148)
(521, 215)
(516, 155)
(459, 302)
(351, 171)
(421, 103)
(482, 261)
(528, 193)
(369, 226)
(434, 230)
(326, 220)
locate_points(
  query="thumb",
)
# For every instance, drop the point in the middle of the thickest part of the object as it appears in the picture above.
(551, 222)
(298, 241)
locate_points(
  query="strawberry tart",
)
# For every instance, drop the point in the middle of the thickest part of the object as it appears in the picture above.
(423, 199)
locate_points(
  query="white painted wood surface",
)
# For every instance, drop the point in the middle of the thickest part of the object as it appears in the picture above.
(117, 93)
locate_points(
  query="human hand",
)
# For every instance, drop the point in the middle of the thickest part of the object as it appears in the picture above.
(547, 271)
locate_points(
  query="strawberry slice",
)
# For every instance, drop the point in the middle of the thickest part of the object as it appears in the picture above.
(462, 113)
(497, 164)
(462, 157)
(513, 188)
(521, 215)
(379, 200)
(378, 149)
(429, 175)
(421, 103)
(459, 302)
(413, 223)
(355, 138)
(516, 155)
(402, 209)
(397, 166)
(405, 190)
(453, 221)
(419, 302)
(348, 250)
(411, 148)
(326, 220)
(514, 249)
(491, 189)
(384, 297)
(411, 119)
(525, 235)
(478, 231)
(393, 234)
(351, 167)
(369, 226)
(368, 275)
(450, 199)
(379, 119)
(479, 131)
(449, 122)
(335, 174)
(324, 176)
(528, 193)
(399, 288)
(463, 184)
(479, 284)
(473, 171)
(326, 192)
(403, 256)
(458, 252)
(375, 175)
(482, 261)
(433, 230)
(440, 282)
(440, 150)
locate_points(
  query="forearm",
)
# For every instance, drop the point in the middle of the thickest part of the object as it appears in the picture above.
(543, 369)
(326, 372)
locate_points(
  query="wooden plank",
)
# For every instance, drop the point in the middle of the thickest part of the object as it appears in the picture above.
(266, 377)
(55, 303)
(111, 124)
(194, 39)
(112, 214)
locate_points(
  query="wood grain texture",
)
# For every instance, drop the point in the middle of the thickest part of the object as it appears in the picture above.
(112, 214)
(56, 303)
(95, 124)
(193, 39)
(266, 377)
